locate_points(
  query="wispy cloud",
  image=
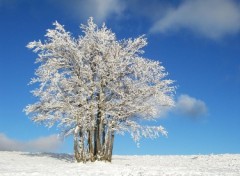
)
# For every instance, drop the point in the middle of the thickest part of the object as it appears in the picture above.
(213, 19)
(210, 18)
(190, 107)
(42, 144)
(100, 10)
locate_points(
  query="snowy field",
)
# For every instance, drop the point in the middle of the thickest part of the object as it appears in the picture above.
(45, 164)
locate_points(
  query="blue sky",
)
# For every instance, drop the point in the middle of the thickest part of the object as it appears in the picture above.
(198, 42)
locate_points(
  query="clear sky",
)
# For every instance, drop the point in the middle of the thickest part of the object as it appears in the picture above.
(197, 41)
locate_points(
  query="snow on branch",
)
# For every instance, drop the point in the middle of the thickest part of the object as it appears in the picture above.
(97, 85)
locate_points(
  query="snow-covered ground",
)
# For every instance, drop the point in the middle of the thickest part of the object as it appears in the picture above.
(45, 164)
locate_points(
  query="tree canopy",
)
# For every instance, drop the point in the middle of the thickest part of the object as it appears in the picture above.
(94, 86)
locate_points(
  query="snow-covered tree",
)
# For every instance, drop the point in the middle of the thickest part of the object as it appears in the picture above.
(94, 86)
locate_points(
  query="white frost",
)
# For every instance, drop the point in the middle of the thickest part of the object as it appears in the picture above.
(40, 164)
(98, 84)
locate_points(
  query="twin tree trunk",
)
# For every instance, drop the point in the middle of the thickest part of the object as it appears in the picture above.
(96, 143)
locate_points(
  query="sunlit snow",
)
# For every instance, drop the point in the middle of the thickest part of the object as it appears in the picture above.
(46, 164)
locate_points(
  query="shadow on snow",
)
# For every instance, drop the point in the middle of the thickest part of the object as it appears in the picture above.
(60, 156)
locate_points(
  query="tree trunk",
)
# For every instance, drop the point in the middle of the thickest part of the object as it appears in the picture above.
(99, 127)
(76, 152)
(109, 139)
(111, 147)
(98, 143)
(110, 150)
(95, 141)
(103, 141)
(76, 145)
(81, 147)
(90, 145)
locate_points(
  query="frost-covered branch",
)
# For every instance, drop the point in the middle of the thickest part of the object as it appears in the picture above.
(93, 85)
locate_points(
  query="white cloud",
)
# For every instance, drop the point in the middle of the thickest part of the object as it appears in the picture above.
(191, 107)
(42, 144)
(100, 10)
(211, 18)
